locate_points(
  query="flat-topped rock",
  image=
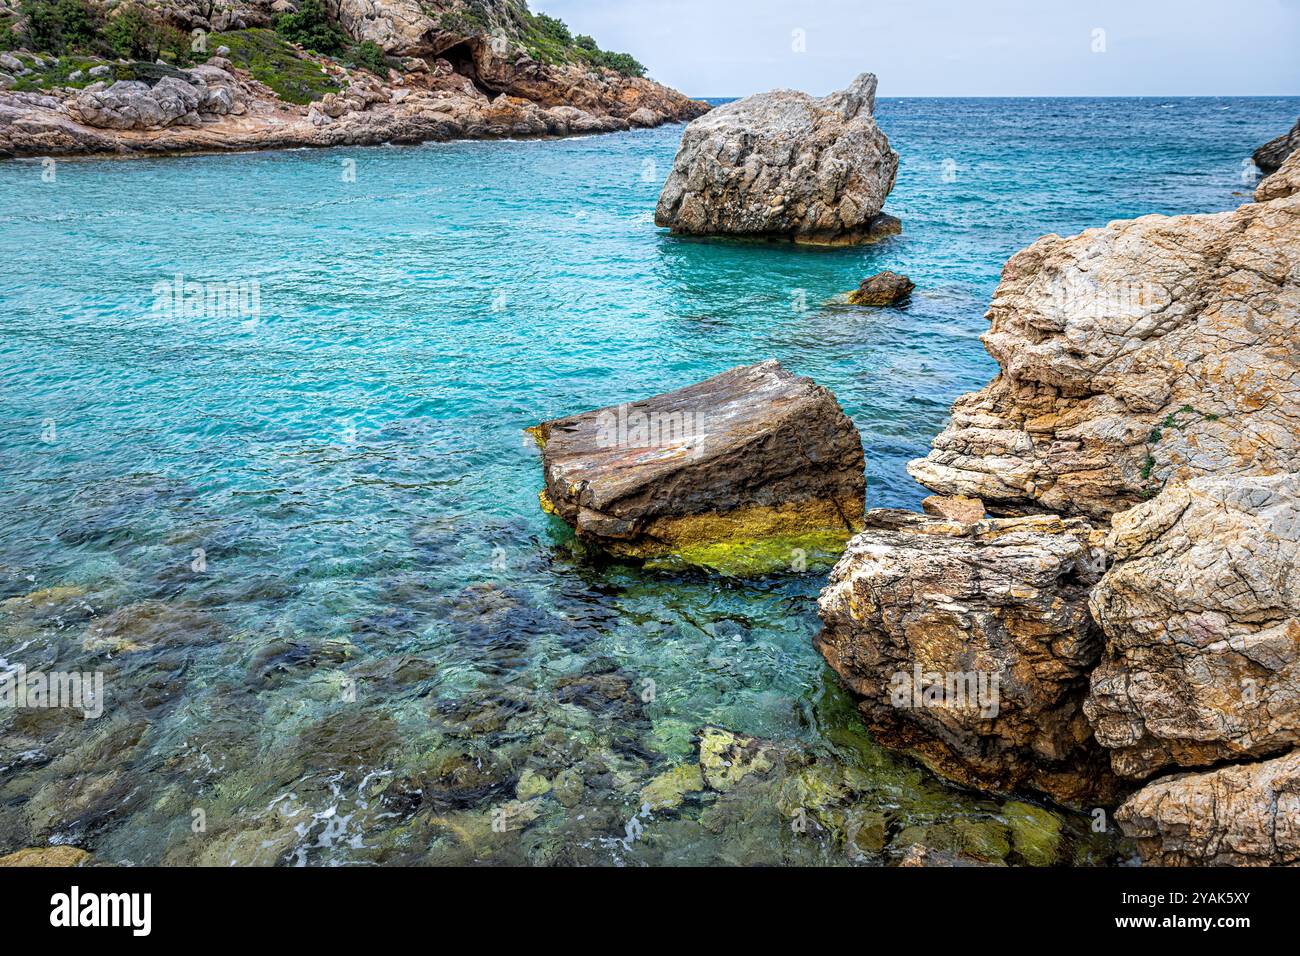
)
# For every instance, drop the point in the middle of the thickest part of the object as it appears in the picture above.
(784, 165)
(755, 469)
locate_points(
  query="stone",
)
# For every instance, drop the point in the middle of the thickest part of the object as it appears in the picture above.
(1247, 815)
(783, 165)
(1035, 833)
(1151, 350)
(956, 508)
(669, 789)
(102, 70)
(61, 856)
(1272, 154)
(1202, 621)
(11, 62)
(743, 472)
(1283, 183)
(726, 758)
(881, 289)
(532, 784)
(645, 117)
(131, 104)
(969, 647)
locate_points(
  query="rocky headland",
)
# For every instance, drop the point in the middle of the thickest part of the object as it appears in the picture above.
(785, 165)
(1137, 605)
(289, 74)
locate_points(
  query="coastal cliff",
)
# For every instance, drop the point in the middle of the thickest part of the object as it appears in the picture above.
(186, 76)
(1144, 423)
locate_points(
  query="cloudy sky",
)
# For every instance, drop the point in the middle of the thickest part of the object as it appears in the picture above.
(955, 47)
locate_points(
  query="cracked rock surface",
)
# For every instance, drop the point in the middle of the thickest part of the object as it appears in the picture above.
(784, 165)
(1202, 624)
(1245, 815)
(1148, 351)
(1002, 598)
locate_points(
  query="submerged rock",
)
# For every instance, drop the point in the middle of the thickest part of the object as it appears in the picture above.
(1273, 154)
(1202, 624)
(881, 289)
(1151, 350)
(47, 856)
(752, 470)
(1234, 816)
(783, 165)
(969, 646)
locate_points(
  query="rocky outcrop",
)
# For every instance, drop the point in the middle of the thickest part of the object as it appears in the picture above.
(1283, 183)
(1202, 624)
(1235, 816)
(883, 288)
(749, 470)
(1152, 350)
(456, 81)
(969, 646)
(1273, 154)
(784, 165)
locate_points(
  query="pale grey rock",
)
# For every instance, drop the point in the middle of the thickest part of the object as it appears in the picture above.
(783, 165)
(1202, 621)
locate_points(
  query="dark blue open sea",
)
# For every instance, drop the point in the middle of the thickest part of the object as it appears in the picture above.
(299, 534)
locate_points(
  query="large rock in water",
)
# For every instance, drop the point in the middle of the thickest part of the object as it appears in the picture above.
(1154, 349)
(751, 470)
(784, 165)
(1202, 624)
(969, 646)
(1273, 154)
(1235, 816)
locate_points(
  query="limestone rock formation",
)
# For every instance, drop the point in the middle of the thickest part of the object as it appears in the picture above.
(783, 165)
(1246, 815)
(1150, 350)
(1272, 154)
(1202, 624)
(969, 646)
(131, 104)
(1283, 183)
(883, 288)
(749, 470)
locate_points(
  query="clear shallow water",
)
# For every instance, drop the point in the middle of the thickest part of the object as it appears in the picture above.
(352, 466)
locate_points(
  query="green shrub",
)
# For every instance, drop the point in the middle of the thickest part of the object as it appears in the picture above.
(311, 29)
(58, 26)
(271, 61)
(369, 55)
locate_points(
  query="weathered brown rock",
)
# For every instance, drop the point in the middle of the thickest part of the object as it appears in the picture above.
(957, 508)
(60, 856)
(969, 646)
(1151, 350)
(1202, 624)
(1273, 154)
(784, 165)
(1285, 182)
(1245, 815)
(753, 463)
(881, 289)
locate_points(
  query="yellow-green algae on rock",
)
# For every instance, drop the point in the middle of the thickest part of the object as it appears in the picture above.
(751, 472)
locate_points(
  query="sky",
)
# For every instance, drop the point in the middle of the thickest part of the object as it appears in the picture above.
(954, 47)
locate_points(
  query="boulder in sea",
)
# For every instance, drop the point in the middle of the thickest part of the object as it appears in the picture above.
(969, 647)
(784, 165)
(1270, 157)
(1243, 815)
(1202, 622)
(883, 288)
(1149, 351)
(751, 471)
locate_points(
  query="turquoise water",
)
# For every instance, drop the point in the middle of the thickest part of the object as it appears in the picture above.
(347, 459)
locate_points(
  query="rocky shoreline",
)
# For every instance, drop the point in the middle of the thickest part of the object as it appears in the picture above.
(258, 91)
(1138, 607)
